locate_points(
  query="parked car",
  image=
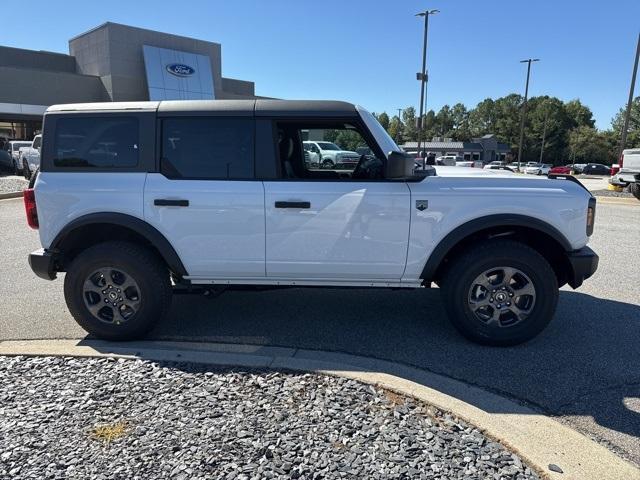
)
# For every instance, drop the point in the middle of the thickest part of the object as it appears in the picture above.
(629, 173)
(448, 160)
(465, 163)
(579, 167)
(231, 204)
(29, 156)
(499, 167)
(11, 160)
(562, 170)
(615, 168)
(596, 169)
(332, 156)
(537, 169)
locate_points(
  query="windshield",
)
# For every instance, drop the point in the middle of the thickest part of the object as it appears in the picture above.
(328, 146)
(382, 137)
(17, 145)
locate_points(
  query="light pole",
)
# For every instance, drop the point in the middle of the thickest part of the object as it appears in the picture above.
(399, 133)
(623, 138)
(524, 107)
(422, 76)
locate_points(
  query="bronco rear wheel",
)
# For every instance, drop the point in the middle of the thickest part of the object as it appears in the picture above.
(500, 292)
(117, 290)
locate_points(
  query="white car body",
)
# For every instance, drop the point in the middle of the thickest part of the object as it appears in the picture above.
(630, 170)
(330, 152)
(329, 230)
(30, 155)
(537, 169)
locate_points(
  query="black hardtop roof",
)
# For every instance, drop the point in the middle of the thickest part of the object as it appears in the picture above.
(258, 107)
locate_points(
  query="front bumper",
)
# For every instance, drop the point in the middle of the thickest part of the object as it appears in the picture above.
(584, 263)
(43, 264)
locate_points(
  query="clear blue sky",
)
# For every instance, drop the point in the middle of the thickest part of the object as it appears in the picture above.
(369, 51)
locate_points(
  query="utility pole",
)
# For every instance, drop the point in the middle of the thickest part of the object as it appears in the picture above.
(627, 114)
(422, 76)
(399, 133)
(524, 107)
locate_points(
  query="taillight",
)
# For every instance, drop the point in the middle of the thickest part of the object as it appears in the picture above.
(621, 161)
(30, 208)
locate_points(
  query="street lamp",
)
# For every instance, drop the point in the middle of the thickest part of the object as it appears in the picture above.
(524, 106)
(399, 132)
(422, 76)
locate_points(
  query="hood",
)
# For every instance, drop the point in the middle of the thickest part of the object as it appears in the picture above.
(444, 171)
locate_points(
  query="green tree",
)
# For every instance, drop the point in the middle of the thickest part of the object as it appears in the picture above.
(579, 115)
(633, 132)
(396, 129)
(383, 118)
(482, 119)
(409, 121)
(588, 145)
(460, 119)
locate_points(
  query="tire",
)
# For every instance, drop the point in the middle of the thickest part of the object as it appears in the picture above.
(634, 188)
(328, 164)
(138, 265)
(459, 286)
(25, 170)
(539, 172)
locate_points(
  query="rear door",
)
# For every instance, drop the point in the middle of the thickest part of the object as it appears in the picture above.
(205, 198)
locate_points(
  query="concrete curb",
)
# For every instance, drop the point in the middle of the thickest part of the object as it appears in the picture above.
(540, 440)
(10, 195)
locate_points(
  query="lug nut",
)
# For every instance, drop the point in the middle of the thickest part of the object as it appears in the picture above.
(499, 305)
(511, 294)
(508, 304)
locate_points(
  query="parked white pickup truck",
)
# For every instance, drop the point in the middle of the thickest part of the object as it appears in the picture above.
(331, 155)
(135, 200)
(29, 157)
(629, 173)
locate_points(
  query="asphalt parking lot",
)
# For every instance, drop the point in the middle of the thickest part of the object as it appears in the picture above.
(584, 368)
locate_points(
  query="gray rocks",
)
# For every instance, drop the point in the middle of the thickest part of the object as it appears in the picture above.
(184, 421)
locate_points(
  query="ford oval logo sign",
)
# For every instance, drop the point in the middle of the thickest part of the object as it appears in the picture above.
(181, 70)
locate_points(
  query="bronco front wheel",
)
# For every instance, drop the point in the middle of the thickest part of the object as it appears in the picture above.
(117, 290)
(500, 292)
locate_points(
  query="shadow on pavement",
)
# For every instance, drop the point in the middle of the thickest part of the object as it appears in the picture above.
(586, 363)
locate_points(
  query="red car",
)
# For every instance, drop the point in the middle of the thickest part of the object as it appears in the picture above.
(566, 170)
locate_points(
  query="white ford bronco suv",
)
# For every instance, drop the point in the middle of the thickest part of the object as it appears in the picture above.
(136, 200)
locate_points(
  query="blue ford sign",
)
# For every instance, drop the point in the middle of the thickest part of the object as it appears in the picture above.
(180, 70)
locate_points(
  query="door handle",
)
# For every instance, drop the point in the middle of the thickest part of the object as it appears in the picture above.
(168, 202)
(293, 204)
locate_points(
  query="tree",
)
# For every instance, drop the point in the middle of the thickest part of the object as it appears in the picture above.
(396, 129)
(460, 119)
(587, 145)
(579, 115)
(409, 120)
(633, 133)
(482, 119)
(383, 118)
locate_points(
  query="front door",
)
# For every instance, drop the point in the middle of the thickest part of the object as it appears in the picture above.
(205, 201)
(336, 224)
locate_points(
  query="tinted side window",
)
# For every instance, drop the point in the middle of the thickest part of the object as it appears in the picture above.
(207, 148)
(96, 142)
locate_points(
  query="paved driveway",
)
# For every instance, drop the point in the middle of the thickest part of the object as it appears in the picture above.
(585, 367)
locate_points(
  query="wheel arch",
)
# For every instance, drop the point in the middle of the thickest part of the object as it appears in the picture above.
(543, 237)
(94, 228)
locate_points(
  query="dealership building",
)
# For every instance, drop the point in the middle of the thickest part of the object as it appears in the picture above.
(111, 62)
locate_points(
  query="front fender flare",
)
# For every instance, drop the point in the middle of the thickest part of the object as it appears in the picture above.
(482, 223)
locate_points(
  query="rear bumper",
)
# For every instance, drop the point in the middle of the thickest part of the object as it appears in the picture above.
(43, 263)
(584, 263)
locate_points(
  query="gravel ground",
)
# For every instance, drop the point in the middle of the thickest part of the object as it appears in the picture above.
(12, 183)
(612, 193)
(133, 419)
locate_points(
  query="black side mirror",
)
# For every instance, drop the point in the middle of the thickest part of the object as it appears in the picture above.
(401, 165)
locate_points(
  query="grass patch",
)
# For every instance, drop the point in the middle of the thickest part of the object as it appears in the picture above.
(109, 432)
